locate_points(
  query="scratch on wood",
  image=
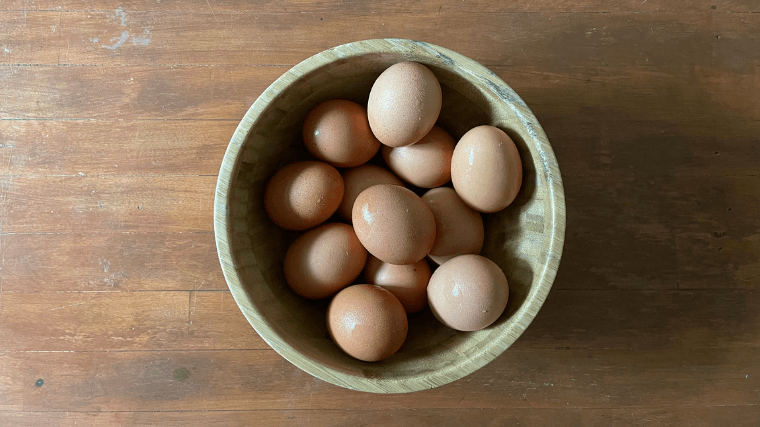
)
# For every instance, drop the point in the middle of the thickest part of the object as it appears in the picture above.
(60, 35)
(190, 306)
(212, 11)
(526, 56)
(65, 306)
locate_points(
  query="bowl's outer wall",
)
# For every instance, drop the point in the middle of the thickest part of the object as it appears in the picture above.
(525, 239)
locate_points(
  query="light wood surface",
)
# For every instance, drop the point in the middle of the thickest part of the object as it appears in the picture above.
(652, 319)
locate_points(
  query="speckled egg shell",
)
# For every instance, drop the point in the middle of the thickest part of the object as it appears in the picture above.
(359, 179)
(404, 104)
(427, 163)
(303, 195)
(367, 322)
(458, 228)
(394, 224)
(324, 260)
(408, 283)
(486, 170)
(468, 292)
(337, 132)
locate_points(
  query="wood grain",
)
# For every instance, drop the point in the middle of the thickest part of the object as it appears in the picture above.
(650, 112)
(261, 379)
(645, 320)
(707, 96)
(94, 321)
(124, 204)
(86, 147)
(603, 106)
(739, 416)
(709, 242)
(252, 38)
(113, 262)
(570, 320)
(397, 6)
(118, 93)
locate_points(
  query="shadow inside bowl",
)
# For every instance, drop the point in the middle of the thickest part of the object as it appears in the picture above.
(515, 238)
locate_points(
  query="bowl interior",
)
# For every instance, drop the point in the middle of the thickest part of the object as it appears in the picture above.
(519, 239)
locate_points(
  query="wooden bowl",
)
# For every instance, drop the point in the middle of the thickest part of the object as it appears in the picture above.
(525, 239)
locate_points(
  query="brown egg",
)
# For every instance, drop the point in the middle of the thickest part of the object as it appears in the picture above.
(324, 260)
(393, 224)
(404, 104)
(359, 179)
(303, 195)
(425, 164)
(486, 169)
(408, 283)
(458, 229)
(337, 131)
(468, 292)
(367, 322)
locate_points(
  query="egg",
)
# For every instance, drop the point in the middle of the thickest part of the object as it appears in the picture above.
(303, 195)
(324, 260)
(404, 104)
(337, 132)
(408, 283)
(468, 292)
(427, 163)
(458, 228)
(394, 224)
(367, 322)
(486, 170)
(358, 179)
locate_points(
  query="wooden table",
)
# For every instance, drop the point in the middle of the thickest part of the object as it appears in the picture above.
(115, 117)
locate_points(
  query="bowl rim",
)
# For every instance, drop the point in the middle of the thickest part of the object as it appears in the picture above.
(523, 316)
